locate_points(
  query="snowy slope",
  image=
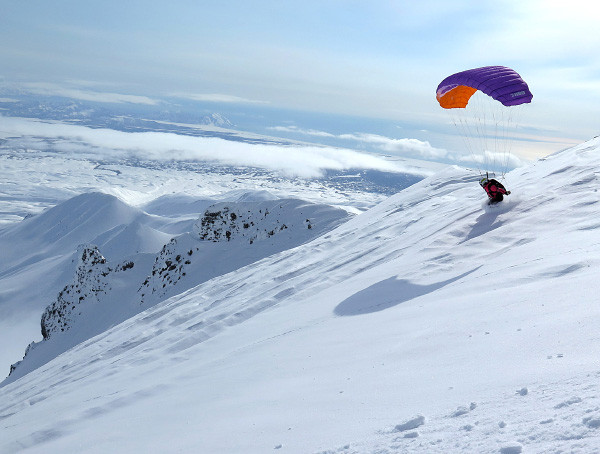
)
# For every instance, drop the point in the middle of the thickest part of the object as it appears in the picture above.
(63, 227)
(39, 256)
(106, 291)
(431, 323)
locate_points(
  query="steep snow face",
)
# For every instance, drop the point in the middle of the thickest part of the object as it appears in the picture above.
(430, 324)
(36, 176)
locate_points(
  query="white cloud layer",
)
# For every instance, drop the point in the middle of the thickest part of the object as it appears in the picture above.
(301, 161)
(217, 97)
(490, 159)
(46, 89)
(418, 149)
(413, 147)
(406, 147)
(297, 130)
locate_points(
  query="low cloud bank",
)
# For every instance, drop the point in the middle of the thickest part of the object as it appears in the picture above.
(414, 148)
(301, 161)
(217, 98)
(308, 132)
(494, 159)
(46, 89)
(421, 149)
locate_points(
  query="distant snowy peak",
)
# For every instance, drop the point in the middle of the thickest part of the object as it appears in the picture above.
(256, 221)
(130, 239)
(61, 228)
(216, 119)
(241, 195)
(77, 217)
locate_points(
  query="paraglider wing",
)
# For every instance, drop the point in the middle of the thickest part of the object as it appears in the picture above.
(499, 82)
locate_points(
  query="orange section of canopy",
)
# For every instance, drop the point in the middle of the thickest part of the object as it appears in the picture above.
(458, 97)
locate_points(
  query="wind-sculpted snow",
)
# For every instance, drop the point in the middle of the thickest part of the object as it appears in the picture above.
(428, 324)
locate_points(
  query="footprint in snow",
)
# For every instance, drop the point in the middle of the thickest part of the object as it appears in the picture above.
(515, 448)
(592, 423)
(411, 435)
(411, 424)
(566, 403)
(464, 410)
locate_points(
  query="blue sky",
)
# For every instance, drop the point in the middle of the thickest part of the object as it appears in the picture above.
(376, 59)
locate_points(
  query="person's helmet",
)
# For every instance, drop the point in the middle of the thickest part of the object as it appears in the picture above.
(483, 181)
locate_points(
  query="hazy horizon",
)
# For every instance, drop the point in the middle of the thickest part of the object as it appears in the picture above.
(362, 76)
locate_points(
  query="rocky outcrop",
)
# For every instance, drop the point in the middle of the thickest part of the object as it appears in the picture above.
(224, 222)
(92, 280)
(14, 366)
(168, 269)
(90, 283)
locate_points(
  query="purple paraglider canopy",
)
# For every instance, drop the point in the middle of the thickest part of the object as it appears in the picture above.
(499, 82)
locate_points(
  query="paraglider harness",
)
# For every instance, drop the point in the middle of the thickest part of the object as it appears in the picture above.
(494, 189)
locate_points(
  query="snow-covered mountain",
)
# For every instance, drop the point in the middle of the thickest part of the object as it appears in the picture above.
(430, 323)
(227, 236)
(163, 199)
(216, 119)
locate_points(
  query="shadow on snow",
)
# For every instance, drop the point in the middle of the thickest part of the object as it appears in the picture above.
(389, 293)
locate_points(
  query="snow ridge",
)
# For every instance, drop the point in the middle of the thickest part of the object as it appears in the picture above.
(102, 294)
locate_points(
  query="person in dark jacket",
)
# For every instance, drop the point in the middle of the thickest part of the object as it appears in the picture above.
(494, 189)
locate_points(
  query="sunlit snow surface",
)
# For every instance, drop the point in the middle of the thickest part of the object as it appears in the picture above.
(431, 323)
